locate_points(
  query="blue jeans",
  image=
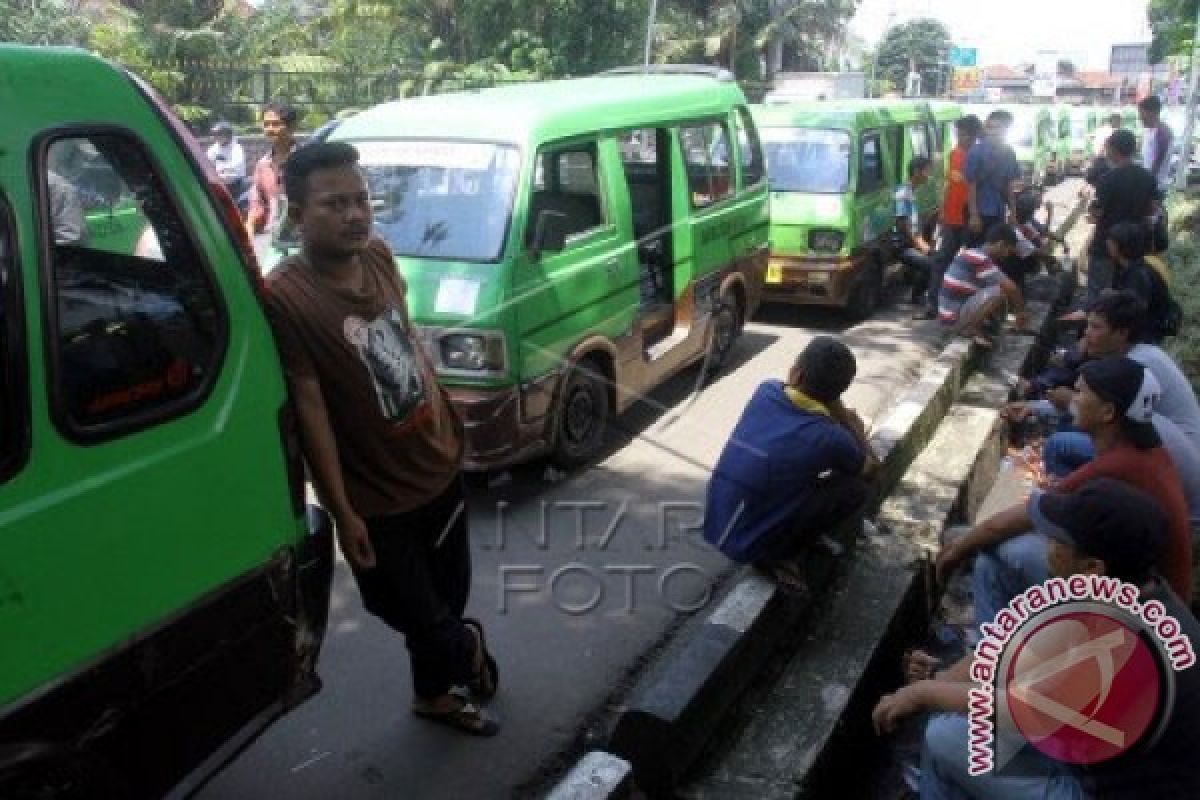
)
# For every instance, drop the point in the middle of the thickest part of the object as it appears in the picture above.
(1066, 452)
(1004, 571)
(1030, 776)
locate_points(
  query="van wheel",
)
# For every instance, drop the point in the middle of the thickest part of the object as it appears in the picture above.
(865, 297)
(724, 334)
(582, 415)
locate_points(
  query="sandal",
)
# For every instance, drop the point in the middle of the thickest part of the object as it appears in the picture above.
(467, 717)
(486, 681)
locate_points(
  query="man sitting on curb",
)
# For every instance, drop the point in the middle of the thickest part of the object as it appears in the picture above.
(1105, 528)
(915, 252)
(1114, 405)
(794, 467)
(976, 294)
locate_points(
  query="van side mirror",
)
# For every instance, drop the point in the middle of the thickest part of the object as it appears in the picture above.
(549, 233)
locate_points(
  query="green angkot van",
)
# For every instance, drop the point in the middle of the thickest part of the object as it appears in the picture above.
(834, 169)
(1060, 164)
(1083, 132)
(569, 245)
(163, 586)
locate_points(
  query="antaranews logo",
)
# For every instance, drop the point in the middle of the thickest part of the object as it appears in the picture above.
(1079, 668)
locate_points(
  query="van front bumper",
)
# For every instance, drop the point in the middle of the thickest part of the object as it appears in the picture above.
(810, 281)
(498, 433)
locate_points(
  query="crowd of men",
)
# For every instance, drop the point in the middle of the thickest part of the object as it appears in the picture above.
(1120, 483)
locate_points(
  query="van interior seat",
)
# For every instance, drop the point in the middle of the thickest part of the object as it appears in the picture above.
(581, 210)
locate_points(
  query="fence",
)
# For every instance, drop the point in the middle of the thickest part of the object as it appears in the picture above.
(202, 90)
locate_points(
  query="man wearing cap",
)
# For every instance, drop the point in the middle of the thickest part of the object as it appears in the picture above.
(228, 157)
(794, 467)
(1105, 528)
(1114, 404)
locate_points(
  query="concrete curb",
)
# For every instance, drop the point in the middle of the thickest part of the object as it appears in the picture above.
(673, 711)
(597, 776)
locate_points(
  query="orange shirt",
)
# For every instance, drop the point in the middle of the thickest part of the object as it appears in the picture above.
(954, 204)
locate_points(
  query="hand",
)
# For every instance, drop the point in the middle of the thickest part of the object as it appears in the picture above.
(355, 542)
(1074, 316)
(1061, 397)
(953, 553)
(975, 223)
(894, 707)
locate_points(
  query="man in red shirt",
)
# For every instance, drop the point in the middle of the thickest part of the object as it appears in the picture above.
(953, 228)
(1114, 405)
(279, 126)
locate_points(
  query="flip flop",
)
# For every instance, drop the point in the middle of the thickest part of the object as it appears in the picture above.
(486, 682)
(467, 717)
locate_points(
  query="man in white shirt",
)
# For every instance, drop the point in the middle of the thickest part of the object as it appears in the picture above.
(228, 157)
(1157, 140)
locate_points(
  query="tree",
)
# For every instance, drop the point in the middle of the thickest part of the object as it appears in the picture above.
(43, 22)
(923, 42)
(1173, 23)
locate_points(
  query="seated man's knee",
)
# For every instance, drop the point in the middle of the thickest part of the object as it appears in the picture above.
(945, 743)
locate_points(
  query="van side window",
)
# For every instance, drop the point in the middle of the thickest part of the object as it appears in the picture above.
(568, 181)
(870, 164)
(749, 148)
(918, 137)
(895, 136)
(706, 153)
(11, 354)
(138, 331)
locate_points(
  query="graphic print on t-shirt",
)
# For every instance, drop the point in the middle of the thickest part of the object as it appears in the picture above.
(387, 351)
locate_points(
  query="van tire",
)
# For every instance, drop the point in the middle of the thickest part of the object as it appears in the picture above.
(726, 328)
(583, 412)
(866, 294)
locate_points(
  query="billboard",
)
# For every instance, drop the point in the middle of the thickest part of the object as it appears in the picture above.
(967, 78)
(964, 57)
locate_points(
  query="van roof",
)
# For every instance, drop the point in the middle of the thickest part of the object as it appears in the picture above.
(548, 110)
(840, 114)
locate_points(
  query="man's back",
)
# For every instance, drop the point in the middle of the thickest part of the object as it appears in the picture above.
(1177, 402)
(1125, 194)
(992, 166)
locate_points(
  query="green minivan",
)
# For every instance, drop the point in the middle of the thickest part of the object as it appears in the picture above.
(163, 585)
(834, 169)
(1060, 162)
(569, 245)
(1083, 131)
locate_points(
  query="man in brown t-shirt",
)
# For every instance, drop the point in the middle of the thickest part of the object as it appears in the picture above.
(382, 442)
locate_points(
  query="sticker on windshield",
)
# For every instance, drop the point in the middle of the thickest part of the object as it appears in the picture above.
(456, 296)
(443, 155)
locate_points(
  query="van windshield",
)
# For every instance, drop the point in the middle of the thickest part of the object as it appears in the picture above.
(807, 160)
(441, 199)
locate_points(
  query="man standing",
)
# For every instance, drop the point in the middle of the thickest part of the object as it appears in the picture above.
(1126, 193)
(279, 126)
(228, 158)
(794, 467)
(382, 442)
(1157, 140)
(992, 174)
(953, 229)
(975, 294)
(915, 252)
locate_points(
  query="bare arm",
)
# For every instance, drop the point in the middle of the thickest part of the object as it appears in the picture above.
(320, 450)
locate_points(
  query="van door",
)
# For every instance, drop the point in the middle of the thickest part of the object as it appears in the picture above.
(920, 143)
(139, 541)
(708, 153)
(874, 199)
(590, 287)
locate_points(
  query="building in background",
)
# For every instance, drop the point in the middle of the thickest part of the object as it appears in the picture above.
(1129, 64)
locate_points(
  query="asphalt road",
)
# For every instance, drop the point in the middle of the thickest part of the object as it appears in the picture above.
(578, 580)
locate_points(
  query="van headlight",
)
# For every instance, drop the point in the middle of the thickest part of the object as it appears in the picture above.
(475, 352)
(825, 241)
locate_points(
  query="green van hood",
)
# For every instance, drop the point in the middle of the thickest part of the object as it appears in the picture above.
(794, 214)
(454, 293)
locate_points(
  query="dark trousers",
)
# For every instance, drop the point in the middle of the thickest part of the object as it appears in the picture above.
(419, 587)
(836, 498)
(977, 239)
(920, 269)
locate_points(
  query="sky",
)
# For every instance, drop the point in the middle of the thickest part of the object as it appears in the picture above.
(1012, 31)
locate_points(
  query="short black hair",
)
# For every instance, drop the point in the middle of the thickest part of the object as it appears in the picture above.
(1151, 103)
(969, 125)
(1130, 238)
(287, 113)
(829, 367)
(917, 164)
(1001, 232)
(1123, 142)
(310, 158)
(1001, 116)
(1124, 311)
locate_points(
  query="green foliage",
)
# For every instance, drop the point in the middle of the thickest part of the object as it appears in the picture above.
(923, 41)
(43, 22)
(1184, 257)
(1174, 25)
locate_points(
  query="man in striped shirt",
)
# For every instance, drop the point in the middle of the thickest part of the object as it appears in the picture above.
(975, 293)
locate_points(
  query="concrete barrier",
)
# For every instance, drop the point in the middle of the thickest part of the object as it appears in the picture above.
(597, 776)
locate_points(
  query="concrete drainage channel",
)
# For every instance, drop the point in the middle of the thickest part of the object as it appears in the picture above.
(770, 697)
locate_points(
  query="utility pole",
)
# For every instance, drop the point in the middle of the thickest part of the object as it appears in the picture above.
(1185, 152)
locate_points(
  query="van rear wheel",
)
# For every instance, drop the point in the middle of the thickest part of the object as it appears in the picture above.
(725, 332)
(865, 296)
(582, 415)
